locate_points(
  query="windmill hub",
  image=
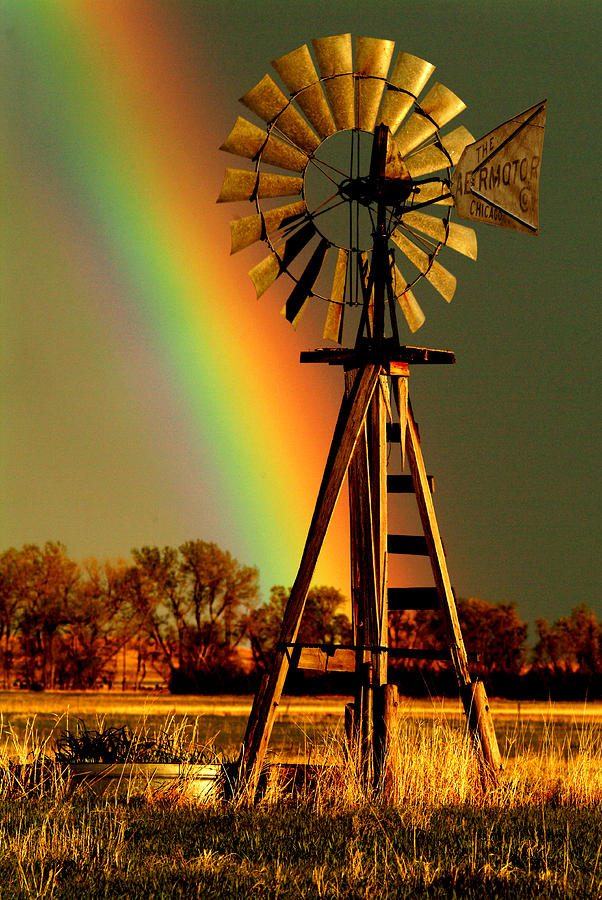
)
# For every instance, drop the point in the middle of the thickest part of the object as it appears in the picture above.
(367, 191)
(359, 190)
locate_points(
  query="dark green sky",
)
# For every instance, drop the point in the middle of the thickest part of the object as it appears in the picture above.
(511, 432)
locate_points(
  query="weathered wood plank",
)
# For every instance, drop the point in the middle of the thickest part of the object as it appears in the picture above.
(438, 653)
(349, 425)
(386, 712)
(389, 352)
(481, 723)
(398, 368)
(253, 717)
(366, 722)
(376, 423)
(368, 566)
(353, 490)
(401, 396)
(365, 589)
(317, 660)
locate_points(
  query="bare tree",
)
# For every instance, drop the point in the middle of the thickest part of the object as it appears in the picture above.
(220, 590)
(193, 606)
(48, 581)
(99, 626)
(323, 621)
(12, 592)
(572, 643)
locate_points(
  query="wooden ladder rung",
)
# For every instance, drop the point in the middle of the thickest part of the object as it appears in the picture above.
(413, 598)
(403, 484)
(413, 544)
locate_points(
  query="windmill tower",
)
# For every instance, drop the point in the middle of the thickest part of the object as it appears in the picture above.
(375, 181)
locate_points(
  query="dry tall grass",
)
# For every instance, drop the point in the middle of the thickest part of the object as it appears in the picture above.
(430, 763)
(50, 834)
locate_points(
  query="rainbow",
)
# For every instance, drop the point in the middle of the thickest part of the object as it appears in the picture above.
(128, 186)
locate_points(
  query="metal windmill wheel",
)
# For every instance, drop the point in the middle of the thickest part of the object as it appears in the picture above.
(323, 241)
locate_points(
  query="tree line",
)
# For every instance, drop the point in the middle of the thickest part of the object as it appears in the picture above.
(186, 612)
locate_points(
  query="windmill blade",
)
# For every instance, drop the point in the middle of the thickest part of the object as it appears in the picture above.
(268, 102)
(299, 74)
(247, 231)
(442, 280)
(440, 105)
(458, 237)
(433, 158)
(333, 328)
(295, 305)
(240, 184)
(410, 74)
(372, 61)
(335, 61)
(248, 140)
(409, 305)
(268, 269)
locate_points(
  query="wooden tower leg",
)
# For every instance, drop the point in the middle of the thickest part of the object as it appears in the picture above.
(473, 696)
(376, 427)
(348, 428)
(364, 594)
(368, 521)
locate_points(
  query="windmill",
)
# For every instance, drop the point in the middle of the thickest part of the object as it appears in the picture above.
(356, 177)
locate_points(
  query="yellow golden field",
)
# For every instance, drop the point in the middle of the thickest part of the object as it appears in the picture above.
(433, 828)
(79, 703)
(545, 741)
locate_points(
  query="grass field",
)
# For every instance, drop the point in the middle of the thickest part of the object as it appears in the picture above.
(302, 721)
(435, 834)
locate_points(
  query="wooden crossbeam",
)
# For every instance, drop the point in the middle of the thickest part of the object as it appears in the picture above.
(332, 658)
(389, 352)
